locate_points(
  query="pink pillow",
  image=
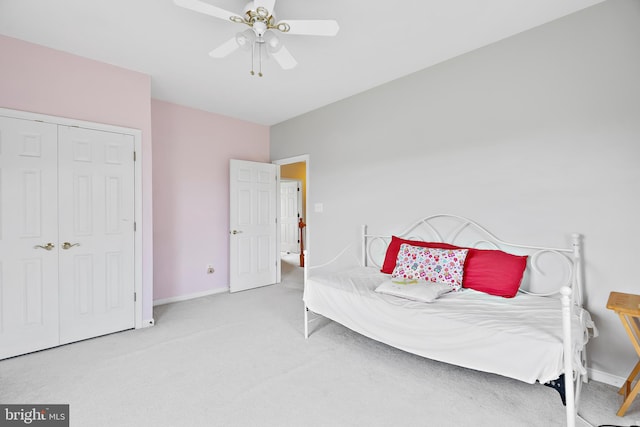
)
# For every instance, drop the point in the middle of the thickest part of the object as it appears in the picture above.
(494, 272)
(434, 265)
(394, 246)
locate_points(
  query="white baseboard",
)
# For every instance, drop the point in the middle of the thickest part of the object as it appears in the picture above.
(605, 377)
(189, 296)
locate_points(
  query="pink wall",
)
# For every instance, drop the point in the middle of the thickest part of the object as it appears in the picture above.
(42, 80)
(191, 157)
(191, 152)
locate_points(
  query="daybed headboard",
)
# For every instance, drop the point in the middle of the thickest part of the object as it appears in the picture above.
(548, 269)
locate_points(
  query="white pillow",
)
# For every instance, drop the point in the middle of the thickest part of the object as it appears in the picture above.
(415, 290)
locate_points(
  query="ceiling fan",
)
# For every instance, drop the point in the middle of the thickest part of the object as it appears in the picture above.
(259, 17)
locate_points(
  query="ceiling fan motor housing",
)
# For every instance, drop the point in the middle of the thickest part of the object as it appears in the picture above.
(259, 28)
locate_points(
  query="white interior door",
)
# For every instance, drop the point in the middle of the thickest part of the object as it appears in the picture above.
(290, 211)
(96, 234)
(28, 236)
(253, 255)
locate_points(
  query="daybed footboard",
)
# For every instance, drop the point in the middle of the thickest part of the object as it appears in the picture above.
(551, 290)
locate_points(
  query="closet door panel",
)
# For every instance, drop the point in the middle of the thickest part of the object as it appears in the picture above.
(28, 236)
(96, 233)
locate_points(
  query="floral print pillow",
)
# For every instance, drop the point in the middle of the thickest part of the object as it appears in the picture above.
(432, 265)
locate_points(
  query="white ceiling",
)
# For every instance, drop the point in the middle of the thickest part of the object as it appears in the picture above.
(378, 41)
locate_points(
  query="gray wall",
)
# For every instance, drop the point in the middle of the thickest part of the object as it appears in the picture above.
(534, 137)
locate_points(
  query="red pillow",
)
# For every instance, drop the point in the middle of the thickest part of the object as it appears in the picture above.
(493, 272)
(394, 247)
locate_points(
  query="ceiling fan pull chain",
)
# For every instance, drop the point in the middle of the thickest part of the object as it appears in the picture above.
(253, 50)
(260, 59)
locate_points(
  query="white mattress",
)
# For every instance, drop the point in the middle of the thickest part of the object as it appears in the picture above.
(518, 337)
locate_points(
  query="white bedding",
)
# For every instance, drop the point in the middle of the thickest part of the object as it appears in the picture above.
(518, 337)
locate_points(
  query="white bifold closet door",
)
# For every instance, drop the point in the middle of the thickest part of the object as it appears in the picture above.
(28, 236)
(66, 234)
(96, 232)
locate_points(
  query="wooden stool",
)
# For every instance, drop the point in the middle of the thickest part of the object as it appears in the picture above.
(627, 306)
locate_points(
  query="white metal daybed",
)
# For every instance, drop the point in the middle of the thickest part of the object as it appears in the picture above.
(535, 336)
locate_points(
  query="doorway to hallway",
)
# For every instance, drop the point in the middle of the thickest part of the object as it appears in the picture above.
(294, 227)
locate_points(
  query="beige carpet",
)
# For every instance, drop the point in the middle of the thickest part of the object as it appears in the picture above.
(241, 360)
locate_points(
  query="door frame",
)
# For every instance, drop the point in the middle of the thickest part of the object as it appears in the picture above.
(137, 138)
(304, 158)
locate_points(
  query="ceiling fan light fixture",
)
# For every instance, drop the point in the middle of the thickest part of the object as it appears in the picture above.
(272, 42)
(262, 13)
(245, 39)
(283, 27)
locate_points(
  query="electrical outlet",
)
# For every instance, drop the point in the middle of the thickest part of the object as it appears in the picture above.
(210, 269)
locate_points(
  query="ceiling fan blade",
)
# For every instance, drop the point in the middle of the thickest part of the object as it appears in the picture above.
(327, 27)
(284, 58)
(225, 48)
(267, 4)
(206, 8)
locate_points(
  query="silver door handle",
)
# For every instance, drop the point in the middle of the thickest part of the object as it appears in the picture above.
(67, 245)
(46, 247)
(236, 231)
